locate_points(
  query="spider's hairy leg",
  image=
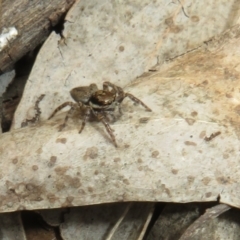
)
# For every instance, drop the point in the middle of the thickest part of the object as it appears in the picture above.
(85, 118)
(108, 128)
(70, 104)
(120, 109)
(70, 111)
(138, 101)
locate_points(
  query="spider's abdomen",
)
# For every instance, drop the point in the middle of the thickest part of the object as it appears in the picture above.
(102, 98)
(83, 94)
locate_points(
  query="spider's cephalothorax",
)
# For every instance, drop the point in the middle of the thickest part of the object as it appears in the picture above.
(97, 102)
(102, 98)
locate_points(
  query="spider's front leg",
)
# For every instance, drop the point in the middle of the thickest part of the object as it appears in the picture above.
(70, 104)
(138, 101)
(85, 118)
(102, 118)
(120, 95)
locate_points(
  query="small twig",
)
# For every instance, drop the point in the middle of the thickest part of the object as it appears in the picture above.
(183, 9)
(113, 230)
(213, 135)
(149, 217)
(210, 214)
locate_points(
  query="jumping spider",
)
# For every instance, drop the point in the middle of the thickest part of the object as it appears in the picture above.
(97, 102)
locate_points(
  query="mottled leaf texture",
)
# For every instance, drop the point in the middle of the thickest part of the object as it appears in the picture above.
(164, 158)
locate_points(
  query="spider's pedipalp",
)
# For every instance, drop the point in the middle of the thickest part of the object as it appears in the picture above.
(116, 89)
(106, 85)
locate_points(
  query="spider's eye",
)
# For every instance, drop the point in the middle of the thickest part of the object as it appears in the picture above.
(102, 98)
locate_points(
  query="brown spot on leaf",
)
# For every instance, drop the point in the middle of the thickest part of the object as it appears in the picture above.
(126, 181)
(90, 189)
(205, 82)
(155, 154)
(229, 95)
(202, 134)
(223, 180)
(102, 164)
(177, 29)
(30, 187)
(34, 167)
(121, 48)
(216, 111)
(91, 153)
(28, 191)
(190, 179)
(194, 18)
(190, 121)
(61, 170)
(61, 140)
(189, 143)
(225, 156)
(52, 161)
(81, 191)
(15, 160)
(60, 185)
(144, 120)
(174, 171)
(140, 160)
(208, 194)
(169, 22)
(140, 168)
(237, 109)
(73, 182)
(39, 151)
(69, 199)
(117, 159)
(168, 192)
(206, 180)
(165, 189)
(194, 114)
(51, 198)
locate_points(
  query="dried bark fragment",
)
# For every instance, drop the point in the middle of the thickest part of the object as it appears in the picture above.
(33, 21)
